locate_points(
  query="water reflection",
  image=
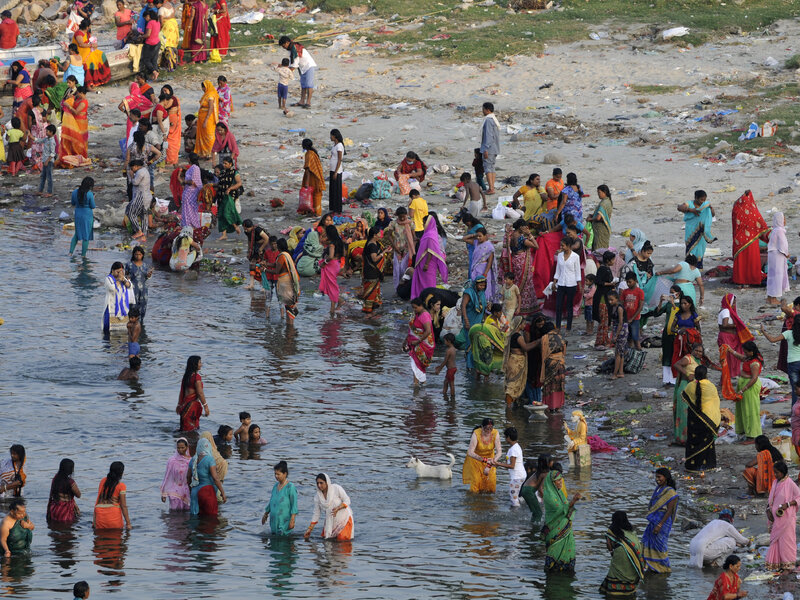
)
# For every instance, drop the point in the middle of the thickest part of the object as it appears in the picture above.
(330, 561)
(205, 535)
(283, 552)
(110, 547)
(16, 569)
(63, 543)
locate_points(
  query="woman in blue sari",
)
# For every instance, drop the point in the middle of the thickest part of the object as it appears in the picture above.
(202, 478)
(697, 219)
(642, 267)
(473, 311)
(282, 508)
(473, 225)
(663, 507)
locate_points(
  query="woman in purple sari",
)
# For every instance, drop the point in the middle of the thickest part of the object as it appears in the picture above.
(484, 264)
(430, 260)
(192, 186)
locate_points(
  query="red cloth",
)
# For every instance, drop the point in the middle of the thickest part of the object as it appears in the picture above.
(632, 299)
(726, 583)
(222, 40)
(9, 32)
(221, 141)
(176, 184)
(270, 257)
(544, 262)
(197, 44)
(207, 499)
(748, 225)
(189, 407)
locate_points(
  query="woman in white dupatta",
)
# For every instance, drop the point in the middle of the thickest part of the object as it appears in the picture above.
(119, 297)
(334, 503)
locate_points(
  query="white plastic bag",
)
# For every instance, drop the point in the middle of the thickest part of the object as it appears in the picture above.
(499, 211)
(452, 320)
(162, 206)
(205, 219)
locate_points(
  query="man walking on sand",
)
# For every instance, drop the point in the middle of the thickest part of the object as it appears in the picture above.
(490, 143)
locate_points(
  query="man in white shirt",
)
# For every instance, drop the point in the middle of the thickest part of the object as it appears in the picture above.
(566, 281)
(715, 541)
(301, 59)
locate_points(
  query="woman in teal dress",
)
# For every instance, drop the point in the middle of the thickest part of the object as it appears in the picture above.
(282, 507)
(16, 531)
(473, 311)
(83, 201)
(685, 274)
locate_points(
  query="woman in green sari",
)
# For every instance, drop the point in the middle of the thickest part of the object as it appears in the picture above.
(627, 562)
(558, 538)
(488, 341)
(308, 263)
(57, 93)
(601, 219)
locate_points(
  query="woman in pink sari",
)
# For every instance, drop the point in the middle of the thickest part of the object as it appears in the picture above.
(330, 266)
(782, 516)
(732, 331)
(420, 342)
(483, 264)
(519, 250)
(430, 260)
(135, 99)
(174, 487)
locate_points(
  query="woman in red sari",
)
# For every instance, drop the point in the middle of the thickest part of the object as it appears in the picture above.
(198, 28)
(420, 342)
(222, 40)
(192, 400)
(73, 151)
(727, 585)
(519, 251)
(748, 227)
(61, 507)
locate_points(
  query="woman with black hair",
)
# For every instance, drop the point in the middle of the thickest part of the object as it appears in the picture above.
(192, 399)
(12, 475)
(728, 584)
(663, 506)
(61, 507)
(331, 265)
(111, 505)
(790, 338)
(702, 423)
(759, 473)
(748, 409)
(627, 563)
(83, 201)
(335, 164)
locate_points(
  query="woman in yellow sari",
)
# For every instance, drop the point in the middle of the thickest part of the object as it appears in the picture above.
(484, 448)
(74, 148)
(313, 175)
(207, 119)
(488, 342)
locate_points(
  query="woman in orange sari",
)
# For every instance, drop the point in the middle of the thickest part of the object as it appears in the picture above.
(313, 175)
(187, 20)
(73, 150)
(173, 106)
(207, 119)
(484, 448)
(759, 473)
(748, 227)
(728, 583)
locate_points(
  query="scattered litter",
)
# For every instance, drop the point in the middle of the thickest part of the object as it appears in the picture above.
(772, 63)
(599, 35)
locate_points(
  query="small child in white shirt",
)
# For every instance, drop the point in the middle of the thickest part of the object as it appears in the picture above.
(285, 75)
(514, 464)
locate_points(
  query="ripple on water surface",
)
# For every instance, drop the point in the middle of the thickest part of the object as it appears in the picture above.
(331, 395)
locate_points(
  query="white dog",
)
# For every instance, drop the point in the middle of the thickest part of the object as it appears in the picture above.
(433, 471)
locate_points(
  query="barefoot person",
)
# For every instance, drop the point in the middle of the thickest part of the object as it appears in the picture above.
(490, 144)
(784, 498)
(484, 448)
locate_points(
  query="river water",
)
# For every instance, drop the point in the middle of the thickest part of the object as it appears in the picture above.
(332, 395)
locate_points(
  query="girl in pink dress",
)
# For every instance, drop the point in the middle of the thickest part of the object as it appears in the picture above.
(330, 265)
(420, 342)
(174, 487)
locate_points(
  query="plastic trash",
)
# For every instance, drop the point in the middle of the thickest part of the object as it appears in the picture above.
(768, 129)
(250, 18)
(674, 32)
(751, 133)
(499, 211)
(770, 62)
(63, 216)
(598, 35)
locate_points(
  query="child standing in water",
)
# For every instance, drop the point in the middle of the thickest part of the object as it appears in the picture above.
(132, 370)
(241, 433)
(510, 296)
(515, 465)
(449, 362)
(269, 273)
(134, 330)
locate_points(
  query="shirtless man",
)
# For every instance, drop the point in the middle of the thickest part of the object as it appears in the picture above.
(474, 194)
